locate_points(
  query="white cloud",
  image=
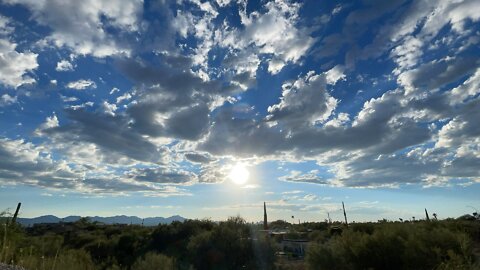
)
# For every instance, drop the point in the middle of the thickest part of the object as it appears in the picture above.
(83, 26)
(428, 18)
(451, 12)
(406, 55)
(309, 177)
(388, 142)
(51, 122)
(436, 73)
(14, 65)
(340, 120)
(123, 97)
(223, 3)
(469, 88)
(293, 192)
(163, 175)
(82, 84)
(5, 29)
(335, 74)
(68, 99)
(6, 100)
(28, 164)
(337, 9)
(304, 101)
(309, 197)
(64, 65)
(114, 90)
(109, 108)
(275, 32)
(80, 106)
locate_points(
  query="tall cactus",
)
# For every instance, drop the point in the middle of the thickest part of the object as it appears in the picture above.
(265, 222)
(426, 215)
(14, 219)
(345, 214)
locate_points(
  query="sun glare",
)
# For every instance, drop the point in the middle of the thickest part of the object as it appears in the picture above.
(239, 174)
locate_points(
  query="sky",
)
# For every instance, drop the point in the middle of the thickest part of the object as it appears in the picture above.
(206, 109)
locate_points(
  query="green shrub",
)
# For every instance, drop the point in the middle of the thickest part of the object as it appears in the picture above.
(70, 259)
(394, 246)
(154, 261)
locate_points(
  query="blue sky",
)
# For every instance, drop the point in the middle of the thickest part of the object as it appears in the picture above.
(145, 108)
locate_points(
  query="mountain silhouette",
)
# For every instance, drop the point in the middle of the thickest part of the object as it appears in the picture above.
(122, 219)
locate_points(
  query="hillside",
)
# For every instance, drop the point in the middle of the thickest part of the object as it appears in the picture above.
(122, 219)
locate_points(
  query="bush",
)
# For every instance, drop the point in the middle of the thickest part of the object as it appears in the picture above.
(154, 261)
(393, 246)
(70, 259)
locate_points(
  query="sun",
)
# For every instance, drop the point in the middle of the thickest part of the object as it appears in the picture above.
(239, 174)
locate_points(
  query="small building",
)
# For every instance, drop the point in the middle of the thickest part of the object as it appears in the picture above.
(297, 247)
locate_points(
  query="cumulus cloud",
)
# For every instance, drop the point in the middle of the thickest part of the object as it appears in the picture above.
(242, 136)
(50, 122)
(82, 84)
(304, 101)
(114, 90)
(64, 65)
(92, 35)
(109, 108)
(437, 73)
(15, 66)
(468, 89)
(123, 97)
(23, 162)
(275, 32)
(298, 176)
(212, 174)
(6, 100)
(199, 157)
(110, 134)
(335, 74)
(173, 102)
(408, 28)
(415, 124)
(163, 176)
(309, 197)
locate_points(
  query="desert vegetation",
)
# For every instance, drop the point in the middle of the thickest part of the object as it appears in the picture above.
(193, 244)
(448, 244)
(236, 244)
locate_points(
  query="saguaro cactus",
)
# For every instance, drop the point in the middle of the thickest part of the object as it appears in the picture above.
(265, 223)
(14, 219)
(345, 214)
(426, 215)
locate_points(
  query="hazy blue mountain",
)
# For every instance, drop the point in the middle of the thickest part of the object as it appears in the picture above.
(150, 221)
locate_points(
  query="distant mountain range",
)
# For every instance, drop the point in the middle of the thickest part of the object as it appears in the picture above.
(150, 221)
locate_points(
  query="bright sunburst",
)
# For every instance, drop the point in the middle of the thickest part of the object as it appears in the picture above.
(239, 174)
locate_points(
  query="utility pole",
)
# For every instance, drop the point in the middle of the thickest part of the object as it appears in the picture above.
(345, 214)
(426, 214)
